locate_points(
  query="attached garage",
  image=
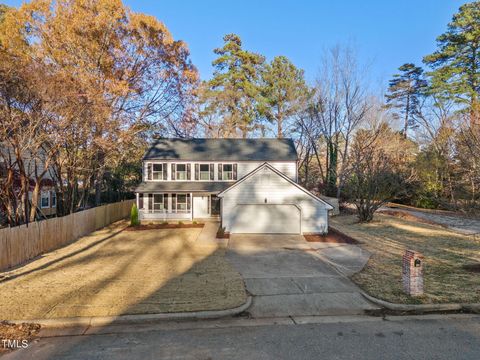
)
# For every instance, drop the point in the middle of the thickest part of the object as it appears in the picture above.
(267, 202)
(266, 218)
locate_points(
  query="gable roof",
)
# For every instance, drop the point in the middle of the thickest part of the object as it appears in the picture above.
(253, 172)
(262, 149)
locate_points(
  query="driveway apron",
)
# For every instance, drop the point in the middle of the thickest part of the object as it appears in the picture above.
(286, 277)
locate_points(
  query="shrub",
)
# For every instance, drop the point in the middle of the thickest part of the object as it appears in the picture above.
(165, 222)
(134, 216)
(180, 223)
(221, 232)
(194, 223)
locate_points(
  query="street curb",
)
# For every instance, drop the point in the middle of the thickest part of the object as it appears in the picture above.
(423, 308)
(95, 321)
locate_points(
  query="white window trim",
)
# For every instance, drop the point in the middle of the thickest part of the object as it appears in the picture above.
(204, 172)
(157, 172)
(184, 172)
(42, 196)
(162, 208)
(186, 204)
(224, 172)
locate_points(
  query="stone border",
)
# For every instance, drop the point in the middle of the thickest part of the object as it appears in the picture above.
(95, 321)
(423, 308)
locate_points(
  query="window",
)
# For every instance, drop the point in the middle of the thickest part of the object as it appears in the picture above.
(227, 173)
(54, 199)
(181, 203)
(157, 171)
(204, 172)
(45, 200)
(157, 201)
(181, 173)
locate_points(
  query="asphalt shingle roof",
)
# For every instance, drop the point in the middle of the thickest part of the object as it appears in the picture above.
(179, 186)
(222, 150)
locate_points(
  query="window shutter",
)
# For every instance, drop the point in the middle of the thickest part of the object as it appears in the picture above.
(174, 168)
(165, 202)
(174, 202)
(188, 202)
(149, 171)
(212, 172)
(234, 171)
(197, 171)
(150, 201)
(189, 171)
(220, 168)
(165, 168)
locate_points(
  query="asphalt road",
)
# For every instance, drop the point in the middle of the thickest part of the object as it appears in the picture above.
(428, 337)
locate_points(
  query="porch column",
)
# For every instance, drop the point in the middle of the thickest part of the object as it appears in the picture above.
(138, 201)
(191, 206)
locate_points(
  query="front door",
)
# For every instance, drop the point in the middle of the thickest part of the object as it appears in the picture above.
(200, 206)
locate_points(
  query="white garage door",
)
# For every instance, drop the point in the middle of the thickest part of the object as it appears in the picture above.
(265, 219)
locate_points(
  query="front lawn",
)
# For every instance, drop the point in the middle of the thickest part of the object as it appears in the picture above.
(113, 272)
(446, 253)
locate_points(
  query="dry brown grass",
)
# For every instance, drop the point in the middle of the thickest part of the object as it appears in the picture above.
(446, 253)
(113, 272)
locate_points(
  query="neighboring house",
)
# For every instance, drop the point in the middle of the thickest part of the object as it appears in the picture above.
(47, 199)
(248, 184)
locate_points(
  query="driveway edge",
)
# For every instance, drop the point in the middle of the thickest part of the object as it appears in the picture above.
(423, 308)
(96, 321)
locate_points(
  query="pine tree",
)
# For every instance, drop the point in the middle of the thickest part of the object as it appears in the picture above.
(234, 90)
(403, 93)
(283, 92)
(456, 63)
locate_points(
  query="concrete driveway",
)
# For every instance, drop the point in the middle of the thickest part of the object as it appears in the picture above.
(287, 277)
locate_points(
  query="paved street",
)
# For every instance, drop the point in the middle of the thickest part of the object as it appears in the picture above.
(427, 337)
(286, 277)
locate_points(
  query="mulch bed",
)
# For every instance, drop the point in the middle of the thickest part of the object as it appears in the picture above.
(222, 235)
(333, 236)
(18, 333)
(163, 226)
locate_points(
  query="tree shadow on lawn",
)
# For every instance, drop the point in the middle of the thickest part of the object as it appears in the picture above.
(110, 234)
(164, 271)
(203, 286)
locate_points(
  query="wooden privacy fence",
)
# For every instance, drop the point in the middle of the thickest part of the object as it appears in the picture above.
(21, 243)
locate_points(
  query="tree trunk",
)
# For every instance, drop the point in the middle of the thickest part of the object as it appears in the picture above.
(331, 189)
(279, 127)
(33, 209)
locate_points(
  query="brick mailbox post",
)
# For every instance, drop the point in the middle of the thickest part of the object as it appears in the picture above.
(412, 273)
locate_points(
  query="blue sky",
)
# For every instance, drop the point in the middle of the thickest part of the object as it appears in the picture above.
(386, 33)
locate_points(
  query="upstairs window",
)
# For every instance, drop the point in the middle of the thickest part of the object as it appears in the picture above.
(227, 173)
(204, 172)
(157, 171)
(181, 172)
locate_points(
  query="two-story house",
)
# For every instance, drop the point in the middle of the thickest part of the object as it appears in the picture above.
(250, 185)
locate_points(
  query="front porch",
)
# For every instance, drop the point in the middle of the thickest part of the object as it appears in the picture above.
(160, 206)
